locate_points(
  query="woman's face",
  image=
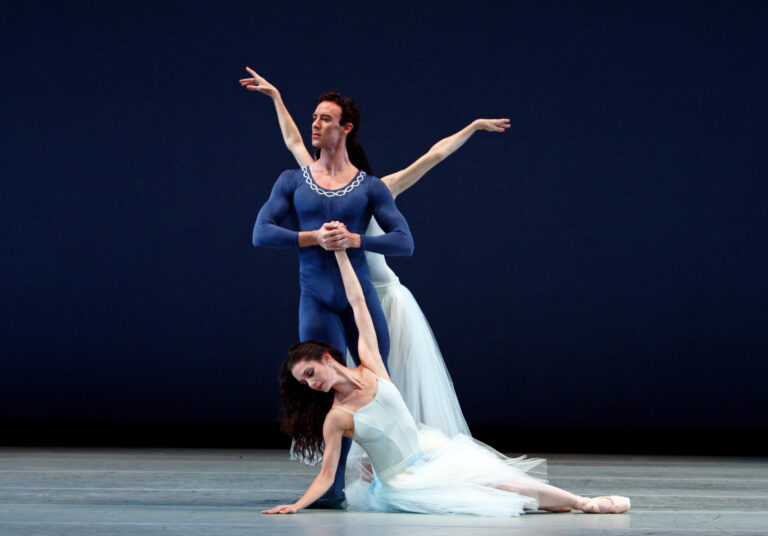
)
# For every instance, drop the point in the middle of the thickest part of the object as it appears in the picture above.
(316, 375)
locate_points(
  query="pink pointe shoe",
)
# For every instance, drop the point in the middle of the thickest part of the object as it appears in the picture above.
(612, 504)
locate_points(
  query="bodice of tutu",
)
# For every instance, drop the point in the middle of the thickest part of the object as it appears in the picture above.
(386, 431)
(381, 273)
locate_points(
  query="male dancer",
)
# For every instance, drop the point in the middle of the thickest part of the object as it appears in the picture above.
(333, 201)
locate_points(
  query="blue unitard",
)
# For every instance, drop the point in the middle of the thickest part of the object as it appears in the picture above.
(324, 312)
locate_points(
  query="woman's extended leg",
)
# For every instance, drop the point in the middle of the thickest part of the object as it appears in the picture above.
(557, 499)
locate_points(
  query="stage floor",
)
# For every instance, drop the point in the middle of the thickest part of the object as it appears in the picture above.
(139, 492)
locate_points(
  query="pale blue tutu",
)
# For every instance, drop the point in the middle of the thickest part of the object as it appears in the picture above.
(456, 475)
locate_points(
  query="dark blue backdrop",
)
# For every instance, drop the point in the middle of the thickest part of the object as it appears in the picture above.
(602, 263)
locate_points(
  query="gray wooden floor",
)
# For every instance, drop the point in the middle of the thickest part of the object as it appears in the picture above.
(221, 492)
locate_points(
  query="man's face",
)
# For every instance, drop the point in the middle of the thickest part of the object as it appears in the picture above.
(326, 129)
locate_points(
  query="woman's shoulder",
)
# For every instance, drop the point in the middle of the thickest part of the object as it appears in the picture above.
(340, 421)
(339, 418)
(366, 374)
(373, 374)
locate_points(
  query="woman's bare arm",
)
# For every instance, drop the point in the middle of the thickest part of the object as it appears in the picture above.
(333, 430)
(291, 134)
(402, 180)
(367, 344)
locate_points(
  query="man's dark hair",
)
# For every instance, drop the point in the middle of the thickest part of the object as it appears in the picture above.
(350, 113)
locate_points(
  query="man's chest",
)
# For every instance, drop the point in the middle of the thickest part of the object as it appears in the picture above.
(313, 208)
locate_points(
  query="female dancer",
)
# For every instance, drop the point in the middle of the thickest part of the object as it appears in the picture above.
(416, 365)
(324, 401)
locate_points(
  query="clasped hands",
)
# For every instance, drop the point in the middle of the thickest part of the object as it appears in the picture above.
(334, 236)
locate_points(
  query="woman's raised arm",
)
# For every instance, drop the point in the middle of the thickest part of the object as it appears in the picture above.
(367, 344)
(291, 134)
(402, 180)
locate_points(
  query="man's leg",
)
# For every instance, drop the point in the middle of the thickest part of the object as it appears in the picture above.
(317, 322)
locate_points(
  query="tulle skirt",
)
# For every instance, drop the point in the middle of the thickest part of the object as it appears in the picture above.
(453, 475)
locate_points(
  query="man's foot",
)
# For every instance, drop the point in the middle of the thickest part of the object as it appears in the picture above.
(329, 503)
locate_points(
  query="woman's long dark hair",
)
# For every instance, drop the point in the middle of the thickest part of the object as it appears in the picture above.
(304, 409)
(350, 113)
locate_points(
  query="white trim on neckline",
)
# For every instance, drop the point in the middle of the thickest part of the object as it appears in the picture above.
(332, 193)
